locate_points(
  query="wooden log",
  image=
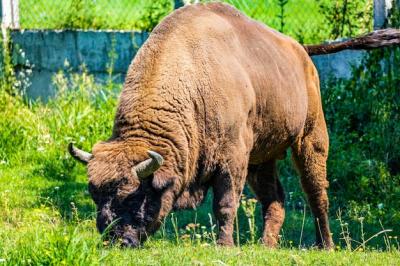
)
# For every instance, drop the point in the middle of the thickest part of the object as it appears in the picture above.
(373, 40)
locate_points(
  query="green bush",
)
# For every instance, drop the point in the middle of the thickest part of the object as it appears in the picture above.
(343, 18)
(309, 21)
(363, 116)
(152, 13)
(89, 14)
(38, 133)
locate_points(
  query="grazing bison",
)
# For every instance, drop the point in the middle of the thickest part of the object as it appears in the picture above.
(212, 100)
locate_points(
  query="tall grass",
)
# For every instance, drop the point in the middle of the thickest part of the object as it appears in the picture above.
(35, 162)
(82, 111)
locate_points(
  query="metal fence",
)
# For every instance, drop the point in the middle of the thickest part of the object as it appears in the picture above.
(309, 21)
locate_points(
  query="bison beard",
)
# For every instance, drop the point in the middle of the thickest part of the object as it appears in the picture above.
(212, 100)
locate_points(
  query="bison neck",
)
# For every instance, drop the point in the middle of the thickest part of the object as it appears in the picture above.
(160, 118)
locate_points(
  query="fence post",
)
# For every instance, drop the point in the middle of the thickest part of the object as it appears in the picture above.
(381, 12)
(10, 13)
(178, 4)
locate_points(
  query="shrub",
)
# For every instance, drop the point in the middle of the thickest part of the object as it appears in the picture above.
(90, 14)
(152, 13)
(38, 134)
(363, 116)
(343, 18)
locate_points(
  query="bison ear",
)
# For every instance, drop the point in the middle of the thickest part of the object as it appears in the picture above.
(162, 181)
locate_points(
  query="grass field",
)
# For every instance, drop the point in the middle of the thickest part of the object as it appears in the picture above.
(49, 222)
(47, 215)
(302, 19)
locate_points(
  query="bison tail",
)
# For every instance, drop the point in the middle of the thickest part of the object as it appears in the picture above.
(372, 40)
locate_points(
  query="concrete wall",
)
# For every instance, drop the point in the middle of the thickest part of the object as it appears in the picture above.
(382, 10)
(338, 65)
(48, 51)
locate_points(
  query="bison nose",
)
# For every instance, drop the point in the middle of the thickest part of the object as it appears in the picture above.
(130, 242)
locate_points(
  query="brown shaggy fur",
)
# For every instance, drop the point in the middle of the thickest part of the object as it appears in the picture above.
(221, 97)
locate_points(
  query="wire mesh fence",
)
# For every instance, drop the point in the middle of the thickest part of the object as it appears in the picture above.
(312, 21)
(93, 14)
(309, 21)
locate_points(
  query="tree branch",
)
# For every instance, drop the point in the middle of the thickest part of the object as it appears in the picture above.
(375, 39)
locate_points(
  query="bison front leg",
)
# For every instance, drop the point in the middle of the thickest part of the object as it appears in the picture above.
(227, 190)
(264, 182)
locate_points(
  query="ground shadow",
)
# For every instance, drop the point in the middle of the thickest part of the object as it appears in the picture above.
(71, 199)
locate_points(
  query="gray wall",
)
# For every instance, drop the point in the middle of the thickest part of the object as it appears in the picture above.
(338, 65)
(381, 11)
(47, 52)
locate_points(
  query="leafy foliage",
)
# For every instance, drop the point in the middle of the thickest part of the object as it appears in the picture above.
(90, 14)
(311, 21)
(152, 13)
(308, 21)
(79, 15)
(363, 115)
(40, 133)
(346, 18)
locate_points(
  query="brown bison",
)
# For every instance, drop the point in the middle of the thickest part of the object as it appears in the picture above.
(212, 100)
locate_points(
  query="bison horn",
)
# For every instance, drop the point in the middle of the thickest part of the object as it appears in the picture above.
(149, 166)
(78, 154)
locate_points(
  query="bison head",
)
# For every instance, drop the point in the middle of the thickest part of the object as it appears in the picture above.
(128, 204)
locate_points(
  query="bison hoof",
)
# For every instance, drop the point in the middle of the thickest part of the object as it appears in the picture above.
(327, 246)
(130, 243)
(225, 242)
(270, 242)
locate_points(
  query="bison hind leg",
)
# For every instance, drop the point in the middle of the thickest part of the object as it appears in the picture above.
(310, 154)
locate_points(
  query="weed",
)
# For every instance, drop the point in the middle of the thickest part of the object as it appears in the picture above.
(249, 207)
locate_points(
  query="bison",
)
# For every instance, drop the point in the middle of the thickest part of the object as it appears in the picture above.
(212, 100)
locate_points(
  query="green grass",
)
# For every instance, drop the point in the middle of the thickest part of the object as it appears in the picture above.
(303, 19)
(35, 229)
(50, 222)
(47, 216)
